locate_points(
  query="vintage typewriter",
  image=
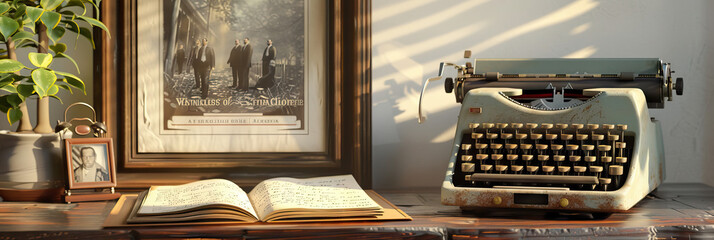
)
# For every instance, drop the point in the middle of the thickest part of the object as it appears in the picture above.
(564, 134)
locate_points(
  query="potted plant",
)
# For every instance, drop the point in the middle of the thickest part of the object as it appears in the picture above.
(32, 155)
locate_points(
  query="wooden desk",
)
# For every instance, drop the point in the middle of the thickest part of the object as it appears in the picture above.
(675, 210)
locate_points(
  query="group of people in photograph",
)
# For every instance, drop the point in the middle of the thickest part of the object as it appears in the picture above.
(201, 58)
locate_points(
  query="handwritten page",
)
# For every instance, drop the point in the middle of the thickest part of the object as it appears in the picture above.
(335, 192)
(163, 199)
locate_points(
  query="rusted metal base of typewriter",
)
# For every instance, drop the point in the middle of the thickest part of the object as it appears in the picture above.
(480, 175)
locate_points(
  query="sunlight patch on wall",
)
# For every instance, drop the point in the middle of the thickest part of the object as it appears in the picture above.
(434, 19)
(420, 47)
(563, 14)
(582, 53)
(396, 9)
(580, 29)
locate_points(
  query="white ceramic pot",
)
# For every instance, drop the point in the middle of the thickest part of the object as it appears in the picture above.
(30, 161)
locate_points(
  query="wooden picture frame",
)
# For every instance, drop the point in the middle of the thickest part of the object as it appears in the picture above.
(348, 110)
(97, 152)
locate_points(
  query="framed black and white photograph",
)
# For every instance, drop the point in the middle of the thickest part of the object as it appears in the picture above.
(238, 89)
(90, 163)
(231, 76)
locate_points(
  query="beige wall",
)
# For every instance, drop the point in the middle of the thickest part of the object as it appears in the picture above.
(411, 37)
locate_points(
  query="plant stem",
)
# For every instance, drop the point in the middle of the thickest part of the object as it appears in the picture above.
(43, 104)
(24, 126)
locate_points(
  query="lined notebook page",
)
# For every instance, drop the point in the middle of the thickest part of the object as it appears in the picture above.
(334, 192)
(164, 199)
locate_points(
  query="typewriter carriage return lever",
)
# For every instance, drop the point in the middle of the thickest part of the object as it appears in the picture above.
(565, 134)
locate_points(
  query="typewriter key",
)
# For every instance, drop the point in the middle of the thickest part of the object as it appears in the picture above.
(598, 137)
(616, 170)
(468, 167)
(604, 148)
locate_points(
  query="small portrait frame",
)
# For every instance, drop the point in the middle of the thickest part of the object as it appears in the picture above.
(79, 152)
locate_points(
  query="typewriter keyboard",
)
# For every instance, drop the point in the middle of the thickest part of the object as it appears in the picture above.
(576, 156)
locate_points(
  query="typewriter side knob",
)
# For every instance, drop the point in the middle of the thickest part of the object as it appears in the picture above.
(679, 86)
(449, 85)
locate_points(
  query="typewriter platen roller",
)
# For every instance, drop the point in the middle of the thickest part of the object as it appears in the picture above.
(566, 134)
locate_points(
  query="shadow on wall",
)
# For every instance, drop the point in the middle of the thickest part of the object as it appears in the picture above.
(408, 49)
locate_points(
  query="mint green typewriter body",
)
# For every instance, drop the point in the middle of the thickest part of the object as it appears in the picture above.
(576, 137)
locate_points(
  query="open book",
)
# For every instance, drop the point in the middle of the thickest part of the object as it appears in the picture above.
(277, 199)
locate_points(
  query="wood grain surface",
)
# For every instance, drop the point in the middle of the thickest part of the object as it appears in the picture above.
(673, 211)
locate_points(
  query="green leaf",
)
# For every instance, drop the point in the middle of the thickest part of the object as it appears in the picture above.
(9, 65)
(25, 90)
(51, 19)
(50, 5)
(8, 26)
(4, 106)
(9, 88)
(62, 55)
(55, 97)
(29, 44)
(64, 86)
(72, 26)
(28, 23)
(58, 48)
(73, 80)
(43, 79)
(96, 23)
(34, 13)
(87, 34)
(19, 10)
(22, 36)
(53, 90)
(55, 34)
(8, 78)
(42, 60)
(14, 100)
(4, 7)
(77, 3)
(14, 115)
(40, 92)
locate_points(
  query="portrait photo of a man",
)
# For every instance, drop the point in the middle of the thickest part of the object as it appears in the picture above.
(90, 163)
